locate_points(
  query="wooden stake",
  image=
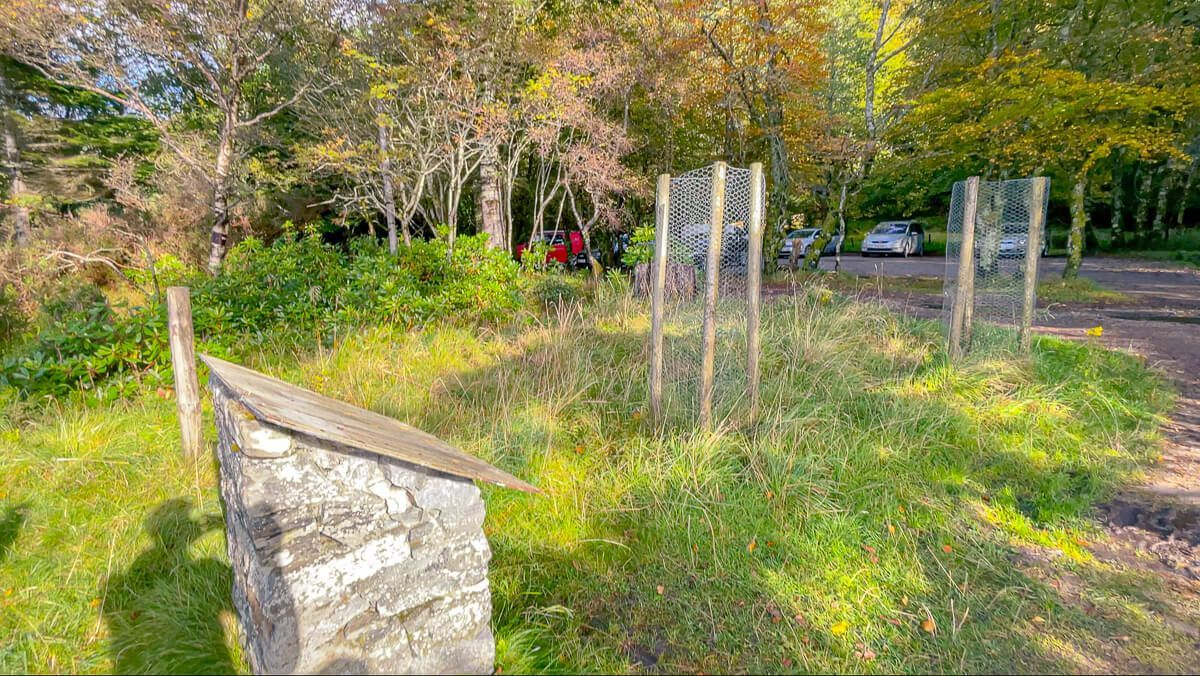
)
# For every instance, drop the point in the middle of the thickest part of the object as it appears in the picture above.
(754, 265)
(711, 289)
(658, 272)
(1033, 255)
(183, 363)
(964, 292)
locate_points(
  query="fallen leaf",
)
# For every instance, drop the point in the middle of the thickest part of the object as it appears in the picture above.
(800, 619)
(660, 589)
(787, 663)
(928, 625)
(891, 529)
(863, 652)
(752, 546)
(579, 450)
(1038, 619)
(840, 628)
(947, 548)
(869, 549)
(904, 601)
(770, 494)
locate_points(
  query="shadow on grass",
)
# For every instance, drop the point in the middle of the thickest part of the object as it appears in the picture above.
(10, 527)
(164, 612)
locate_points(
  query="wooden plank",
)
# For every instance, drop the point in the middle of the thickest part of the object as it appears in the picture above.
(754, 266)
(183, 365)
(960, 314)
(662, 213)
(712, 270)
(273, 401)
(1033, 255)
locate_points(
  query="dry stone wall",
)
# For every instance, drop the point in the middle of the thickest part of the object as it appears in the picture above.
(345, 561)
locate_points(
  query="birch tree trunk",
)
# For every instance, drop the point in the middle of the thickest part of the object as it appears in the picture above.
(12, 158)
(221, 192)
(493, 222)
(389, 190)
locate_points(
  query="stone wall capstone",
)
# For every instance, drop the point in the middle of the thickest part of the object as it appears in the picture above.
(347, 561)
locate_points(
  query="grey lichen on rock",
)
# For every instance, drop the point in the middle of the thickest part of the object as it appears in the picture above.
(346, 561)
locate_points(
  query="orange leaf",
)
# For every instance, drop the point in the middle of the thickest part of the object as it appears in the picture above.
(947, 548)
(752, 546)
(929, 625)
(660, 589)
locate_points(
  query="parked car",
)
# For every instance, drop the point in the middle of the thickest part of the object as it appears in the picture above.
(565, 248)
(735, 246)
(896, 238)
(803, 239)
(1015, 244)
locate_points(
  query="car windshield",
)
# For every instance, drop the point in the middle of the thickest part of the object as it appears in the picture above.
(890, 229)
(803, 234)
(551, 237)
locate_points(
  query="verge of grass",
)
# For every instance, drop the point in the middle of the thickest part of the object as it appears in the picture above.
(1078, 290)
(877, 517)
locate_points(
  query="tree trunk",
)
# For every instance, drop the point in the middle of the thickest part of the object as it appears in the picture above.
(12, 157)
(1117, 222)
(1160, 208)
(1078, 224)
(221, 190)
(1183, 197)
(489, 188)
(389, 190)
(834, 221)
(1142, 218)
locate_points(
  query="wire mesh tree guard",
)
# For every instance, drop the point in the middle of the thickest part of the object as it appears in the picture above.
(706, 278)
(995, 237)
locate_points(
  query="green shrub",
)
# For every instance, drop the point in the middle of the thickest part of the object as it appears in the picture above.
(90, 346)
(296, 291)
(424, 282)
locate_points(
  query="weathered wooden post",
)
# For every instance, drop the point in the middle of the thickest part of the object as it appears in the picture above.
(662, 214)
(712, 272)
(183, 365)
(754, 266)
(356, 541)
(1033, 254)
(964, 292)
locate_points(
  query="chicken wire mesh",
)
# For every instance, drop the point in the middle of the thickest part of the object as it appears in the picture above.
(1005, 213)
(688, 237)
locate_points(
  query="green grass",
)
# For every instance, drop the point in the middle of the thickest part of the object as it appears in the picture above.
(881, 489)
(1054, 290)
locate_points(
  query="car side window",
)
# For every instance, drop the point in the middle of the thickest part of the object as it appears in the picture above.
(917, 230)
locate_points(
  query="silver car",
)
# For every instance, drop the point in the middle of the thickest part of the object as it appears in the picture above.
(895, 238)
(1016, 243)
(803, 239)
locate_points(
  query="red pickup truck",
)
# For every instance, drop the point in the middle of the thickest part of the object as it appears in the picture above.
(565, 247)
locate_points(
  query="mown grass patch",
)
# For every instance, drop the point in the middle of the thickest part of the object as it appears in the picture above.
(878, 516)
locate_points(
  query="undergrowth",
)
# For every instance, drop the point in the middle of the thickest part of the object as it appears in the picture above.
(879, 516)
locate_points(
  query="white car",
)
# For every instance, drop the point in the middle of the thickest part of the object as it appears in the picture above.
(804, 238)
(895, 238)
